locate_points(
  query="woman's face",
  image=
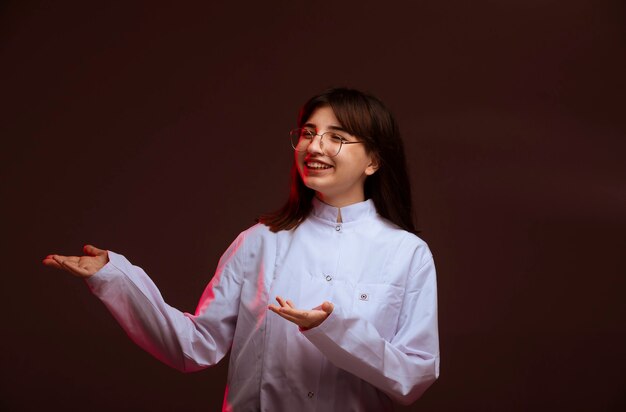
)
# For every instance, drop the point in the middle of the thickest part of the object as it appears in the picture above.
(337, 180)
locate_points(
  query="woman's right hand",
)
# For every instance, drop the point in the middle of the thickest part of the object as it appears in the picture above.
(80, 266)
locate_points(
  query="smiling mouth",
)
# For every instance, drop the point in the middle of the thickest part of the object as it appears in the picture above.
(317, 165)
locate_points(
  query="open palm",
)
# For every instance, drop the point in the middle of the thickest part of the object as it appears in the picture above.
(80, 266)
(305, 319)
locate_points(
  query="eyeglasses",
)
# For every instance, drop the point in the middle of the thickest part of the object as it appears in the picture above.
(330, 142)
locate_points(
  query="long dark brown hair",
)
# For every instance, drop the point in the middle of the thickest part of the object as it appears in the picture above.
(366, 117)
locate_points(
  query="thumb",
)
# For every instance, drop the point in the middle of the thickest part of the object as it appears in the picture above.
(328, 307)
(93, 251)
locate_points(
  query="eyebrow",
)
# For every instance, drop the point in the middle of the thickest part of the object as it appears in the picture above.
(333, 128)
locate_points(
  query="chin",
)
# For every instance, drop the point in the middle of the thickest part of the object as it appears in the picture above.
(313, 187)
(313, 184)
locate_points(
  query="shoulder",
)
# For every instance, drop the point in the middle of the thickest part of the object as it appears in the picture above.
(390, 232)
(259, 238)
(244, 249)
(257, 233)
(408, 244)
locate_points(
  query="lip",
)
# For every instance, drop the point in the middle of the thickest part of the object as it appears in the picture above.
(309, 170)
(316, 160)
(312, 171)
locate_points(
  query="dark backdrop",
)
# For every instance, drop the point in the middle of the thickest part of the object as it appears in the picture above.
(159, 132)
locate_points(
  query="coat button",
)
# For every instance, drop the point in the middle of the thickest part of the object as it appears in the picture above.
(310, 394)
(329, 278)
(338, 228)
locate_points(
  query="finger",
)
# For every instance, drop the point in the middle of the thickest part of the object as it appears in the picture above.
(274, 308)
(74, 269)
(328, 307)
(308, 319)
(59, 259)
(299, 314)
(281, 301)
(50, 262)
(290, 318)
(93, 251)
(62, 260)
(285, 302)
(283, 310)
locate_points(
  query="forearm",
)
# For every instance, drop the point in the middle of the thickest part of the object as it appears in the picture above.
(403, 365)
(354, 345)
(135, 302)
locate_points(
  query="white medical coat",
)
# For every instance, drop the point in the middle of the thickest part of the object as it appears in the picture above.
(380, 341)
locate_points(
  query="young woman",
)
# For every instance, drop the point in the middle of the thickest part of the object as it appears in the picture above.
(328, 304)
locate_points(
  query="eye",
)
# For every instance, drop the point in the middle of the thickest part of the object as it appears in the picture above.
(307, 134)
(337, 138)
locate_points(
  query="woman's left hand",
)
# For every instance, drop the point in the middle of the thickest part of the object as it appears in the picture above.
(306, 319)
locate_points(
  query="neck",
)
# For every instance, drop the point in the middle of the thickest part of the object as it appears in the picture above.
(339, 202)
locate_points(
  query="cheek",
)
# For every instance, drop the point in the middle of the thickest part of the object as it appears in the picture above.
(352, 167)
(299, 156)
(299, 159)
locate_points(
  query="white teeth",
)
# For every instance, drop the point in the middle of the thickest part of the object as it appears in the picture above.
(316, 165)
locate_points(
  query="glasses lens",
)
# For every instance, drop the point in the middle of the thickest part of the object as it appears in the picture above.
(300, 139)
(331, 143)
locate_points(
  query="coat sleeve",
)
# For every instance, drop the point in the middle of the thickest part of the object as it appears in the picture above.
(181, 340)
(403, 367)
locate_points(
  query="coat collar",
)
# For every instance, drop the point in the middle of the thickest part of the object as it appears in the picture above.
(350, 213)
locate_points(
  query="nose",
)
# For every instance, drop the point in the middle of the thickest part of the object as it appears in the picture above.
(316, 145)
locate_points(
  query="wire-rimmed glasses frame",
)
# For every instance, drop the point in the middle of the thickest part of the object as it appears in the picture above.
(302, 137)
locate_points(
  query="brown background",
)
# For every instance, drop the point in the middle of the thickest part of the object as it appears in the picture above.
(159, 132)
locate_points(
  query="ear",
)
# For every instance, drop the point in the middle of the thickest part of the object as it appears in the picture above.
(372, 167)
